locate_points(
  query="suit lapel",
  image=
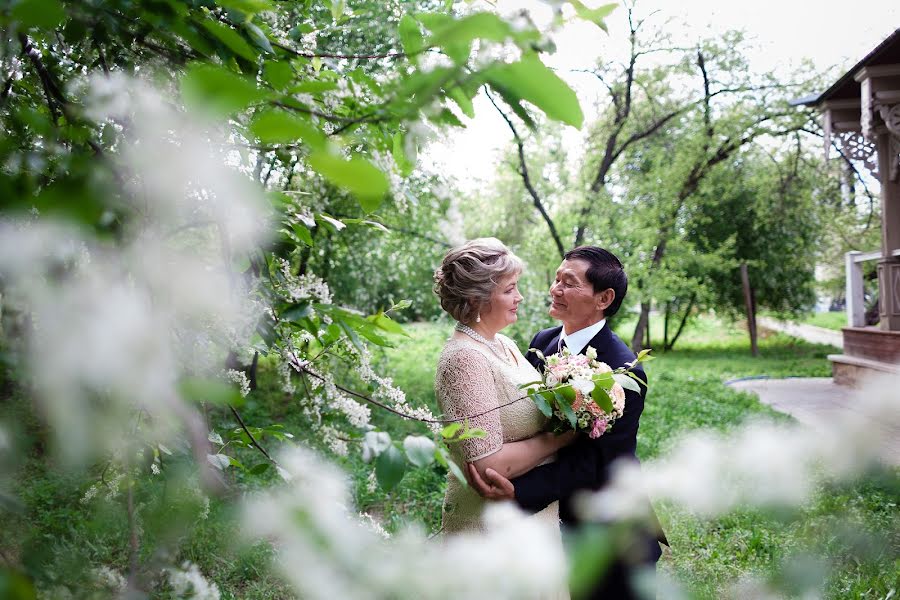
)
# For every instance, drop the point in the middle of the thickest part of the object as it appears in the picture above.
(600, 342)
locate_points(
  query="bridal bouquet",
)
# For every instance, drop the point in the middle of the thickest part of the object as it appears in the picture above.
(581, 393)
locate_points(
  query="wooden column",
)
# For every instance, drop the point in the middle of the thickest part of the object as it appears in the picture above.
(889, 265)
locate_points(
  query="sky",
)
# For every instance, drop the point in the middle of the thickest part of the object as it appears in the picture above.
(833, 35)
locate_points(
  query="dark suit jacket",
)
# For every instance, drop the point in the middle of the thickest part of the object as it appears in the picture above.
(584, 464)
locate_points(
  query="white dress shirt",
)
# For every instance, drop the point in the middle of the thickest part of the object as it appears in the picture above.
(576, 341)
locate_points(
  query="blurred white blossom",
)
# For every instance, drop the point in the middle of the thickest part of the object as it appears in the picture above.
(759, 464)
(325, 553)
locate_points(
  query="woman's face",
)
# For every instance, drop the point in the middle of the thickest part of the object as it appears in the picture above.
(502, 308)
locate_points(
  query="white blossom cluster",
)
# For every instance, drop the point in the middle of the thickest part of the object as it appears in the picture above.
(189, 583)
(117, 326)
(760, 464)
(240, 379)
(325, 553)
(304, 287)
(390, 394)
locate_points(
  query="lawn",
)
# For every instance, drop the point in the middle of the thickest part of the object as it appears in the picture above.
(851, 534)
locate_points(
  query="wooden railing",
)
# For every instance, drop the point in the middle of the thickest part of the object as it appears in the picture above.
(856, 303)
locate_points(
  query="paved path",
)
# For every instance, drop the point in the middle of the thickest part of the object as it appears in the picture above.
(815, 401)
(810, 333)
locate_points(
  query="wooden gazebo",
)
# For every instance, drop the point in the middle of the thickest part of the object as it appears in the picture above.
(861, 116)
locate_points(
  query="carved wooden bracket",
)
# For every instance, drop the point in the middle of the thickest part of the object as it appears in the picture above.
(856, 147)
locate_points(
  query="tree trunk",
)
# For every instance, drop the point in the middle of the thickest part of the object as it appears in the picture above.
(638, 337)
(684, 318)
(666, 326)
(751, 308)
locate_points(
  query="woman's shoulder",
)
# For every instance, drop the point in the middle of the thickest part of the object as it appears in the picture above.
(459, 351)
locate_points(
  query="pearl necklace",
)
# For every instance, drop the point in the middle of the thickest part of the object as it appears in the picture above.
(496, 346)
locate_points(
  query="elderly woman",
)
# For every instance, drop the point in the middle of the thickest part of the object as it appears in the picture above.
(479, 372)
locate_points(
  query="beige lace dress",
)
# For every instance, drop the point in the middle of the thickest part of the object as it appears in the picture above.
(471, 379)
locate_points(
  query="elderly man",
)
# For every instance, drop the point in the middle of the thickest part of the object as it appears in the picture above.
(589, 287)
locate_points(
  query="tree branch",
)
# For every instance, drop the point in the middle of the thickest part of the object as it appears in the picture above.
(526, 179)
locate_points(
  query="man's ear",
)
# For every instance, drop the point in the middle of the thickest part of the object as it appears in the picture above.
(605, 298)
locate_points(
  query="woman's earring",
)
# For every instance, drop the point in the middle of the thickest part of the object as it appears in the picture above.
(478, 318)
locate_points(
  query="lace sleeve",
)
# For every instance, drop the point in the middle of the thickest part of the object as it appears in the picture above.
(465, 386)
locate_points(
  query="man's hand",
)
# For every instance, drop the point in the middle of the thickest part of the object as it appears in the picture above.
(497, 486)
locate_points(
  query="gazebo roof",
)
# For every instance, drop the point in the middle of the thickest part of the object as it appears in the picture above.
(887, 52)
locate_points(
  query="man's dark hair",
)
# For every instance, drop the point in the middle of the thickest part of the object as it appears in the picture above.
(604, 271)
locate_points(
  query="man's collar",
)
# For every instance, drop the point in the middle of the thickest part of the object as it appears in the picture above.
(576, 341)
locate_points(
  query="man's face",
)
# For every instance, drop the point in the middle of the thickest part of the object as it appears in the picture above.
(572, 297)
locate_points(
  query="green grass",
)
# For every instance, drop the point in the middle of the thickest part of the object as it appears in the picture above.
(828, 320)
(851, 531)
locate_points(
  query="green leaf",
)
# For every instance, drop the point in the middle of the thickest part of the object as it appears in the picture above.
(356, 175)
(337, 9)
(566, 409)
(259, 38)
(410, 35)
(248, 6)
(462, 32)
(278, 73)
(214, 391)
(627, 382)
(218, 90)
(230, 38)
(529, 79)
(41, 14)
(335, 224)
(463, 100)
(260, 468)
(382, 321)
(541, 402)
(390, 466)
(602, 399)
(236, 463)
(419, 450)
(594, 15)
(398, 151)
(304, 235)
(567, 392)
(450, 430)
(313, 87)
(634, 376)
(446, 460)
(276, 126)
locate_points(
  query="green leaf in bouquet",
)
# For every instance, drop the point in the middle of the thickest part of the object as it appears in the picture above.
(602, 399)
(522, 386)
(644, 355)
(542, 401)
(419, 450)
(567, 392)
(566, 409)
(603, 379)
(390, 466)
(627, 382)
(634, 376)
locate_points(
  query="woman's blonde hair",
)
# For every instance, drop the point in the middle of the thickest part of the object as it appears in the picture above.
(469, 273)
